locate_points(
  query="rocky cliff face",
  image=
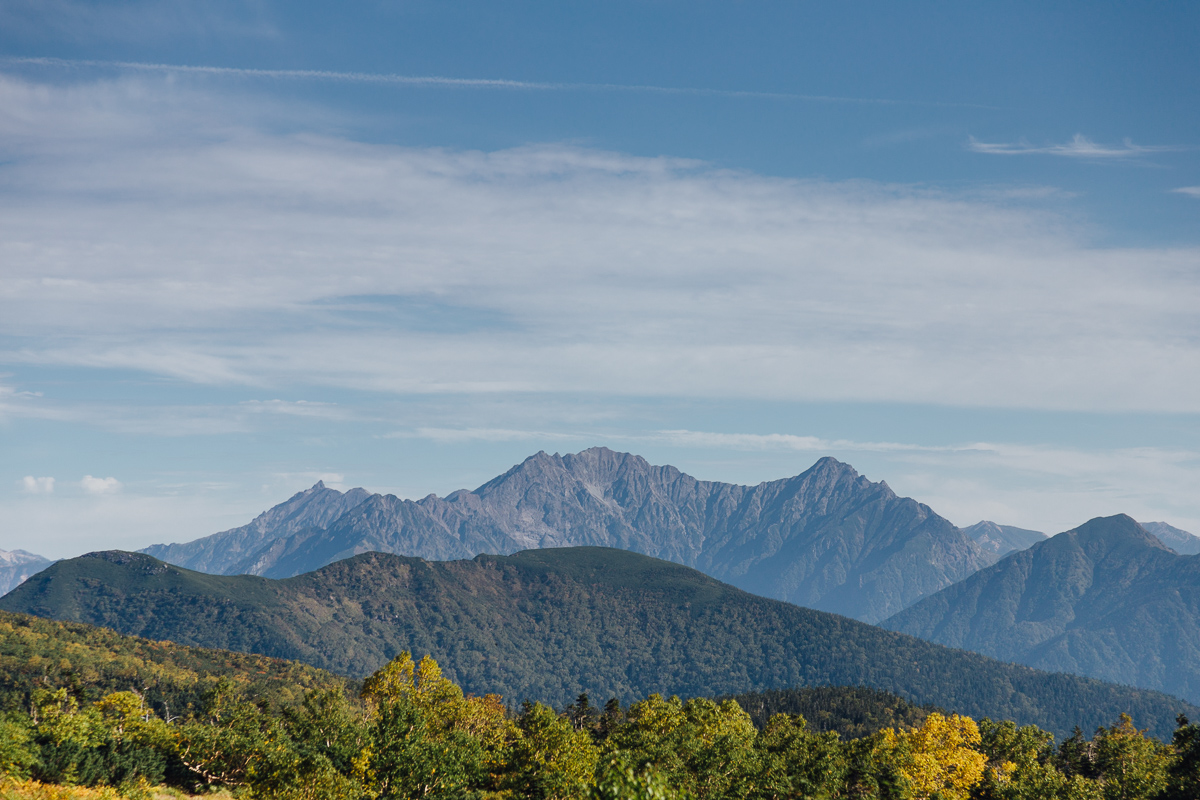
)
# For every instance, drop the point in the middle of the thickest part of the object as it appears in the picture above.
(828, 538)
(1107, 600)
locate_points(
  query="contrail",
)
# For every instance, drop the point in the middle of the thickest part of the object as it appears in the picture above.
(463, 83)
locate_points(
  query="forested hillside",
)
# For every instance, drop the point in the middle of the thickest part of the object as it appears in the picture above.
(1106, 599)
(92, 662)
(850, 711)
(549, 624)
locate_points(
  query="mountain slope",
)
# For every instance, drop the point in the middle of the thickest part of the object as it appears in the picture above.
(1106, 600)
(232, 552)
(17, 566)
(549, 624)
(1182, 542)
(1000, 540)
(828, 538)
(94, 661)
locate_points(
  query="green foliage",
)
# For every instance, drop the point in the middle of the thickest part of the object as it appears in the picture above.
(408, 759)
(91, 662)
(1183, 776)
(17, 753)
(549, 759)
(1127, 764)
(704, 748)
(851, 712)
(618, 779)
(232, 742)
(1019, 763)
(417, 735)
(796, 762)
(116, 741)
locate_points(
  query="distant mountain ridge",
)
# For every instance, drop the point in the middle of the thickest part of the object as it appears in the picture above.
(1182, 542)
(1107, 599)
(17, 566)
(233, 551)
(549, 624)
(828, 538)
(1000, 540)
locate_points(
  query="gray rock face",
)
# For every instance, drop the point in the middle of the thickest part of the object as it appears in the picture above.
(1182, 542)
(1107, 600)
(16, 567)
(227, 552)
(1000, 540)
(828, 538)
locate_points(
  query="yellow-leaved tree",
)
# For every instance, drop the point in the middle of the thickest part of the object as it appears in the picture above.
(938, 758)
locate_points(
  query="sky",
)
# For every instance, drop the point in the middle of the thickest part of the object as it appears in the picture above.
(246, 246)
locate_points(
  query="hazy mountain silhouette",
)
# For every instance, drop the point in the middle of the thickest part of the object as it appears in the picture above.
(17, 566)
(1000, 540)
(1182, 542)
(1106, 599)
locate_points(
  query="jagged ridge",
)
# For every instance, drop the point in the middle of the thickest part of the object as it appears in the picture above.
(827, 538)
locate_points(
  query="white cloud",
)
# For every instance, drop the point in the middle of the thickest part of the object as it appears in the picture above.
(461, 435)
(100, 485)
(1079, 147)
(441, 81)
(153, 227)
(295, 408)
(31, 485)
(1190, 191)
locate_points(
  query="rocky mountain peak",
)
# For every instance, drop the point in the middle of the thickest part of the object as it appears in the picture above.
(15, 557)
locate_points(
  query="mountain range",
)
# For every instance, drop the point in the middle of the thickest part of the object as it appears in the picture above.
(828, 538)
(549, 624)
(1107, 599)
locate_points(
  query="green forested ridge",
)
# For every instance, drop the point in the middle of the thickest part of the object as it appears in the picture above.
(92, 662)
(548, 625)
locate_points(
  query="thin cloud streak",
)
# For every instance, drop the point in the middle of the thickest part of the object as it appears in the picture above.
(1079, 147)
(1190, 191)
(440, 81)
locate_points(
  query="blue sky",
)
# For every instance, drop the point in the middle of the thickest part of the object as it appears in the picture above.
(244, 246)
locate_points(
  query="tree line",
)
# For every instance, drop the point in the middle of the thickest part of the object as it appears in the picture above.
(412, 733)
